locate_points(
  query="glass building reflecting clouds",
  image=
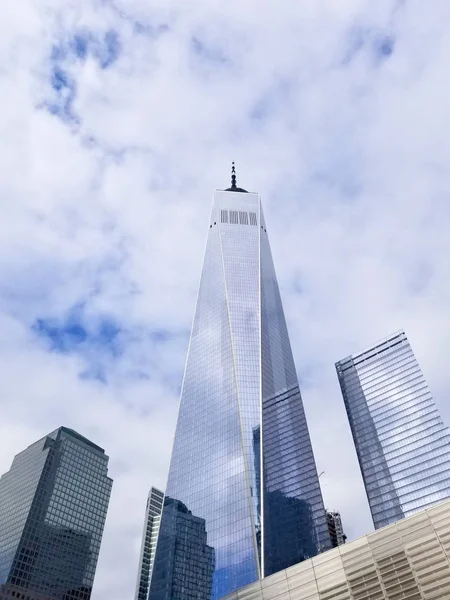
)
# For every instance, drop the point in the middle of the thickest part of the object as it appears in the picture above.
(242, 464)
(53, 504)
(402, 444)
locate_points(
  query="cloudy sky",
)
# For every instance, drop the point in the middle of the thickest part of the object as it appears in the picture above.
(118, 120)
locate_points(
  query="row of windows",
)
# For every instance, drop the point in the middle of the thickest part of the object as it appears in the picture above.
(415, 441)
(400, 353)
(358, 410)
(359, 377)
(390, 368)
(421, 462)
(410, 455)
(238, 217)
(421, 403)
(420, 481)
(386, 393)
(381, 347)
(396, 434)
(383, 373)
(351, 367)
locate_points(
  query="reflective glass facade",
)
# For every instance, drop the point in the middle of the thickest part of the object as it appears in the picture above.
(53, 504)
(402, 444)
(242, 461)
(150, 535)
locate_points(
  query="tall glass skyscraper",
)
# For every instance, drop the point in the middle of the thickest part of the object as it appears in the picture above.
(53, 504)
(242, 461)
(402, 444)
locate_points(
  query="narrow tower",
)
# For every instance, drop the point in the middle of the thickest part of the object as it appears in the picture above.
(402, 444)
(242, 462)
(149, 536)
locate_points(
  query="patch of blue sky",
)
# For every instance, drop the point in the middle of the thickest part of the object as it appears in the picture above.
(209, 53)
(101, 343)
(379, 45)
(384, 46)
(98, 343)
(65, 91)
(105, 48)
(76, 333)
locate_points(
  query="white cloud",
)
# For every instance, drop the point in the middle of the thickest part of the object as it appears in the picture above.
(336, 112)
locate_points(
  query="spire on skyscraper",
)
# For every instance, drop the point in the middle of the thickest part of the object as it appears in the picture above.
(233, 187)
(243, 498)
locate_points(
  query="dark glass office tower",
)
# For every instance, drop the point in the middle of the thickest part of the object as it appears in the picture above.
(402, 444)
(183, 539)
(53, 504)
(149, 537)
(242, 461)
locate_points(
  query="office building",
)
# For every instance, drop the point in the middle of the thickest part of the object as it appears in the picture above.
(337, 534)
(150, 535)
(53, 504)
(403, 446)
(408, 560)
(183, 538)
(242, 460)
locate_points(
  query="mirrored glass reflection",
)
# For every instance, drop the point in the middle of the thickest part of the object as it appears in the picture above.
(242, 466)
(402, 444)
(53, 504)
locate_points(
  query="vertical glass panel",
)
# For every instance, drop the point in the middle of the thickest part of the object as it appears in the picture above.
(150, 535)
(210, 473)
(295, 526)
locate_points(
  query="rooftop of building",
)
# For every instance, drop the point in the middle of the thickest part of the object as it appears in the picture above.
(81, 438)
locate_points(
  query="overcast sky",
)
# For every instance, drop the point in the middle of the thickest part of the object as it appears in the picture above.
(119, 119)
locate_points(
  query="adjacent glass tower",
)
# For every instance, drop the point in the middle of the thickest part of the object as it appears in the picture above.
(53, 504)
(149, 537)
(242, 461)
(402, 444)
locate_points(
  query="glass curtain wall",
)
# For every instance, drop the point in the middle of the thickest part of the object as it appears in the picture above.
(402, 444)
(242, 462)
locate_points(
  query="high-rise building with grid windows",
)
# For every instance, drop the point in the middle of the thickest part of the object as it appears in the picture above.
(53, 504)
(150, 535)
(242, 468)
(402, 444)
